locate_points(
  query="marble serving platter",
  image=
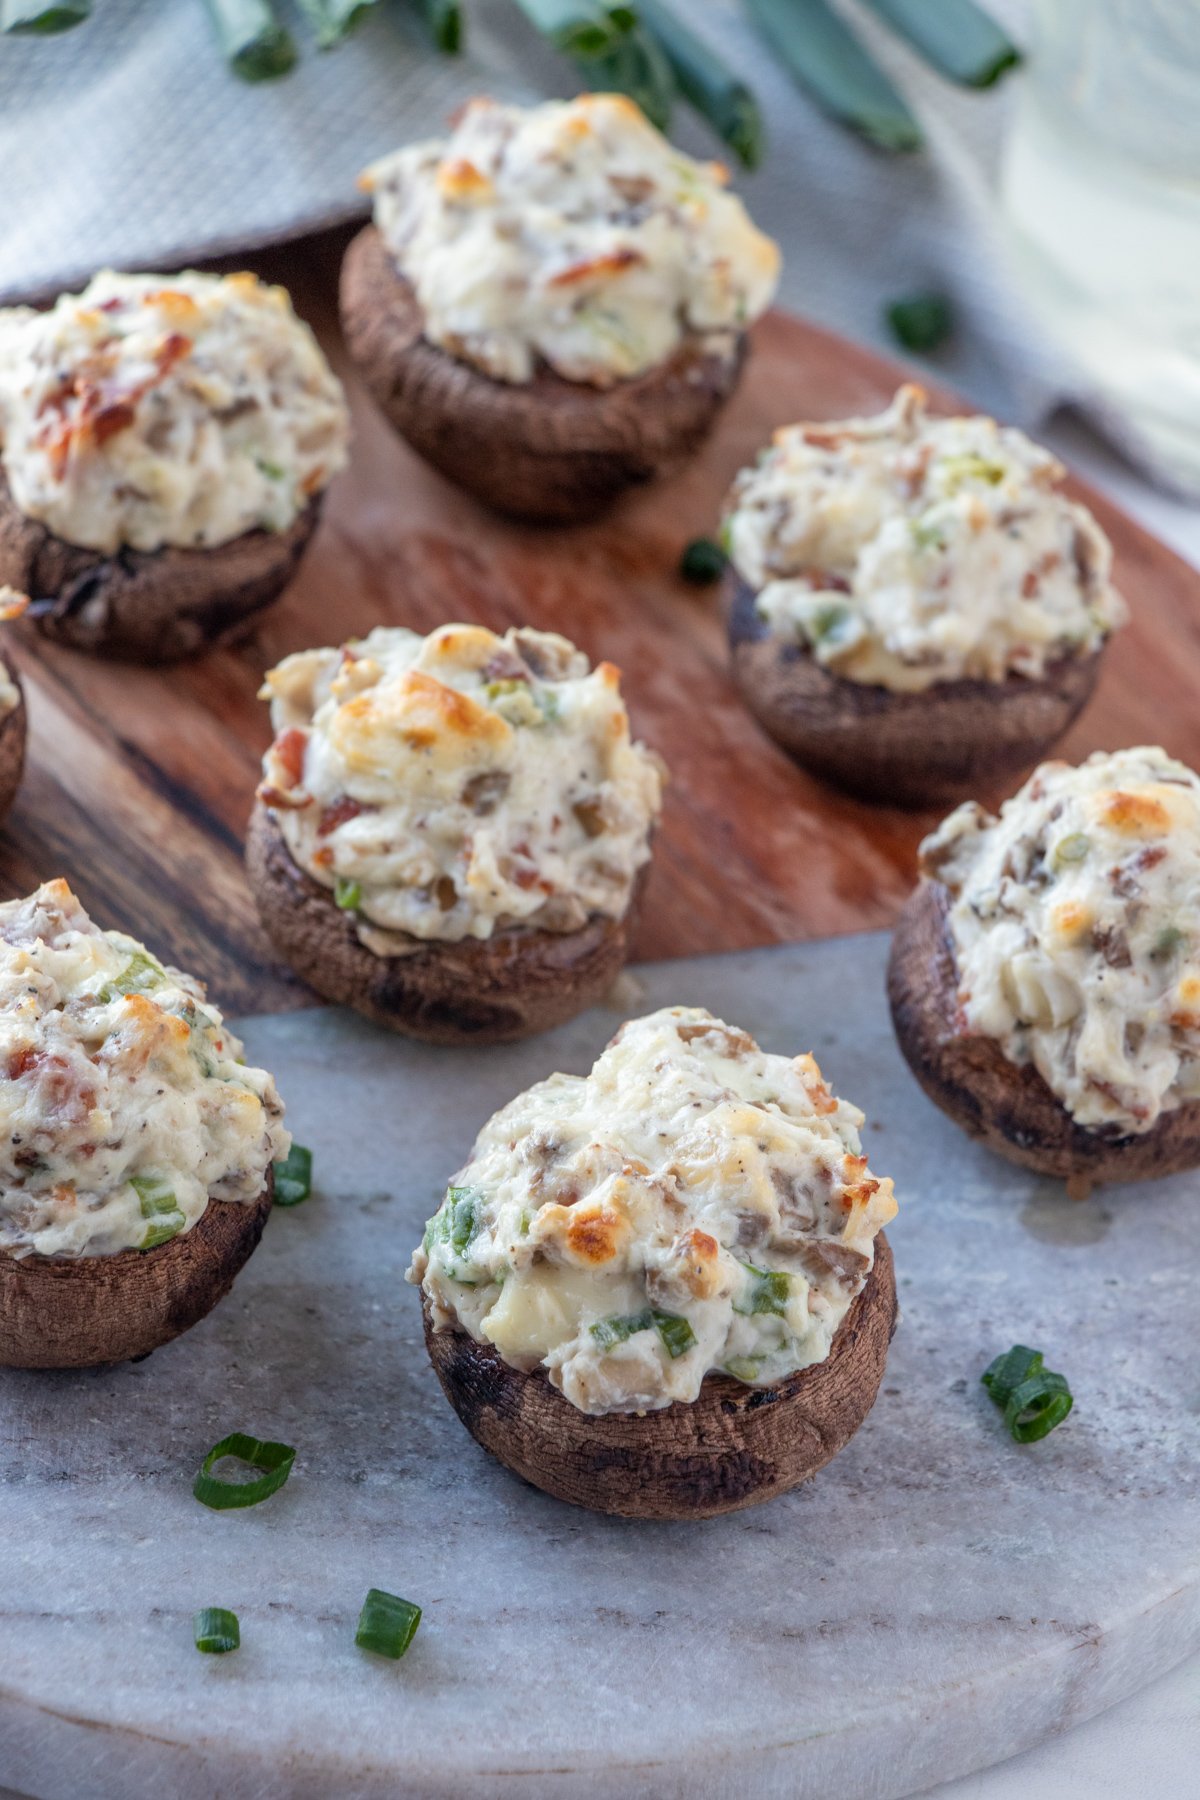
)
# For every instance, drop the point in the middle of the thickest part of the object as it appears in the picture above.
(937, 1599)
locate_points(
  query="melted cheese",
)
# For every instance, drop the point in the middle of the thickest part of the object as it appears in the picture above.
(152, 409)
(693, 1204)
(124, 1106)
(448, 786)
(570, 234)
(904, 550)
(1076, 930)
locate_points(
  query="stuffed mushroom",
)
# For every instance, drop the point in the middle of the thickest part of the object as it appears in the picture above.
(914, 608)
(551, 303)
(165, 444)
(452, 831)
(14, 719)
(1045, 976)
(137, 1145)
(662, 1289)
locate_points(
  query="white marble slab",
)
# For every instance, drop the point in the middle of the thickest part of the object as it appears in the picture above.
(938, 1599)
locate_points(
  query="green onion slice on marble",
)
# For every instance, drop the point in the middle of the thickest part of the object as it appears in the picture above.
(387, 1624)
(1033, 1399)
(215, 1631)
(293, 1177)
(275, 1461)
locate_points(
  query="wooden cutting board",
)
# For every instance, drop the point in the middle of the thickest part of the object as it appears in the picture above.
(140, 781)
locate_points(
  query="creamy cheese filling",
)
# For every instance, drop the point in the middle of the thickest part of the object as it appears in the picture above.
(904, 550)
(1076, 930)
(571, 234)
(447, 786)
(124, 1105)
(693, 1204)
(166, 409)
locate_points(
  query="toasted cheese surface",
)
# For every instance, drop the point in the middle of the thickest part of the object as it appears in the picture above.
(570, 234)
(903, 550)
(1076, 930)
(693, 1204)
(448, 786)
(124, 1106)
(166, 409)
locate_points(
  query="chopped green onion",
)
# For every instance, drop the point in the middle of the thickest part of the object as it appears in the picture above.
(705, 82)
(443, 19)
(216, 1631)
(347, 894)
(955, 36)
(462, 1219)
(702, 562)
(825, 623)
(252, 40)
(1072, 849)
(579, 27)
(159, 1205)
(1033, 1399)
(1167, 943)
(271, 470)
(676, 1334)
(921, 322)
(744, 1368)
(293, 1177)
(43, 16)
(276, 1459)
(825, 57)
(141, 975)
(769, 1292)
(615, 1330)
(387, 1625)
(547, 703)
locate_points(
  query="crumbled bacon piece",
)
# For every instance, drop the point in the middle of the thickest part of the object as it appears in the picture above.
(339, 812)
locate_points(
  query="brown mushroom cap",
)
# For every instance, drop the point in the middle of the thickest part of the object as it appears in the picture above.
(475, 991)
(544, 449)
(1005, 1105)
(732, 1447)
(147, 606)
(927, 749)
(13, 729)
(73, 1312)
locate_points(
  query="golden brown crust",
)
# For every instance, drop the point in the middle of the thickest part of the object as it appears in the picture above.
(547, 449)
(77, 1312)
(13, 730)
(477, 991)
(1006, 1106)
(732, 1447)
(928, 749)
(147, 606)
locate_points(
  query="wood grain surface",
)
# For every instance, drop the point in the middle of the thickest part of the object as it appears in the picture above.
(139, 782)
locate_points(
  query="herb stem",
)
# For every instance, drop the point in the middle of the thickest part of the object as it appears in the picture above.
(705, 83)
(955, 36)
(826, 58)
(254, 43)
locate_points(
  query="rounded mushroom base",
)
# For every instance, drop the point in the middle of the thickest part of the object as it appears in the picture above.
(732, 1447)
(476, 991)
(147, 606)
(13, 730)
(78, 1312)
(547, 449)
(932, 748)
(1004, 1105)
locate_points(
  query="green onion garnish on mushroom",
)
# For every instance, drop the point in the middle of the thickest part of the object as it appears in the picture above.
(160, 1207)
(215, 1631)
(387, 1624)
(141, 975)
(347, 894)
(769, 1291)
(675, 1332)
(293, 1177)
(1032, 1398)
(275, 1460)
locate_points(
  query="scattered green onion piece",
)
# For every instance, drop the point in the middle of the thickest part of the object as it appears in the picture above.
(216, 1631)
(955, 36)
(347, 894)
(744, 1368)
(387, 1625)
(293, 1177)
(252, 40)
(705, 83)
(275, 1459)
(824, 623)
(827, 59)
(1033, 1399)
(159, 1205)
(332, 20)
(769, 1293)
(43, 16)
(1072, 849)
(702, 562)
(676, 1334)
(141, 975)
(615, 1330)
(1167, 943)
(462, 1218)
(579, 27)
(921, 322)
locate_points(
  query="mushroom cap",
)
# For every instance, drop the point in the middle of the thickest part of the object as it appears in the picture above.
(731, 1447)
(149, 606)
(473, 991)
(13, 731)
(544, 449)
(1007, 1106)
(931, 748)
(79, 1311)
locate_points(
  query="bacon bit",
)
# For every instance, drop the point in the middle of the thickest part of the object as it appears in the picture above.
(21, 1061)
(445, 893)
(323, 857)
(313, 482)
(727, 1040)
(1150, 857)
(1183, 1021)
(1110, 1093)
(339, 812)
(615, 262)
(283, 799)
(111, 306)
(288, 750)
